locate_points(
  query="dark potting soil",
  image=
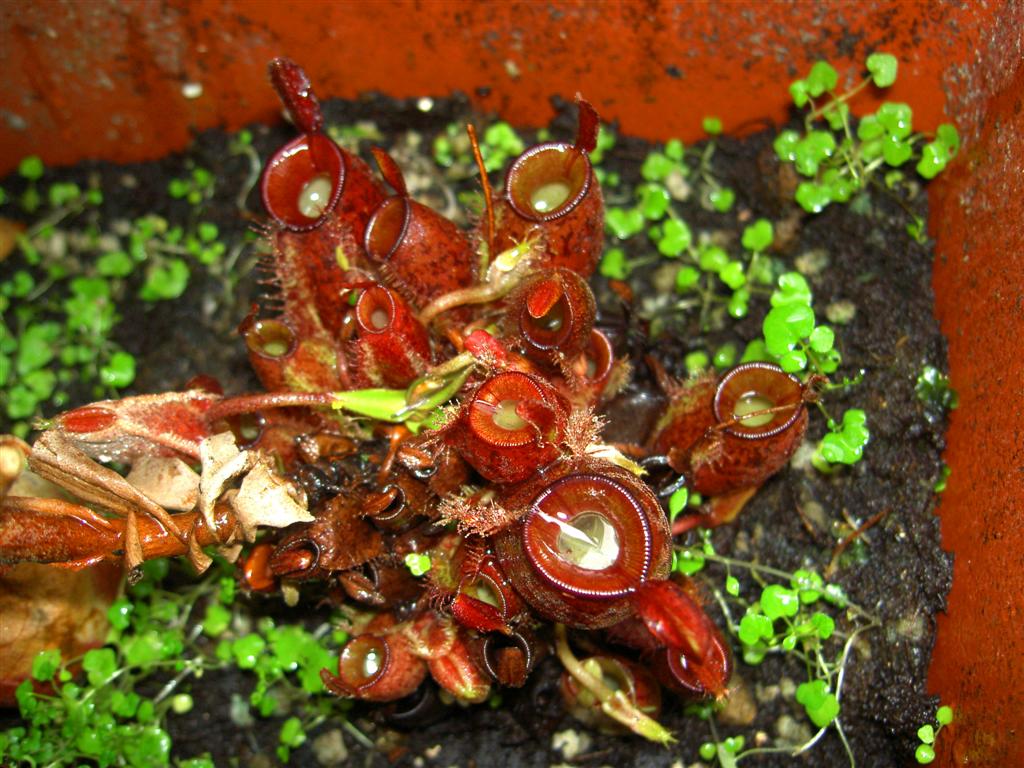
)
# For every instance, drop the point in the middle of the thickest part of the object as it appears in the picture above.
(855, 257)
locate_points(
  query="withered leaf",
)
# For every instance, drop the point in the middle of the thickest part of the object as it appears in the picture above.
(56, 459)
(170, 482)
(267, 498)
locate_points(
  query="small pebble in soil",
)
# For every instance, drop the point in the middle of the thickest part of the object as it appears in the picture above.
(790, 731)
(766, 693)
(841, 312)
(740, 708)
(329, 748)
(571, 743)
(431, 753)
(812, 262)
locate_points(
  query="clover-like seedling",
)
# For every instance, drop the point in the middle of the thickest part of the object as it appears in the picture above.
(658, 165)
(653, 201)
(696, 362)
(934, 391)
(779, 619)
(676, 237)
(725, 356)
(623, 223)
(820, 703)
(31, 169)
(845, 443)
(883, 68)
(195, 188)
(926, 734)
(791, 332)
(614, 264)
(500, 143)
(727, 750)
(119, 370)
(165, 281)
(721, 199)
(838, 161)
(418, 563)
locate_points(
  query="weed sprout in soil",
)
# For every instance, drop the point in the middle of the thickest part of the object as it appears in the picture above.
(608, 438)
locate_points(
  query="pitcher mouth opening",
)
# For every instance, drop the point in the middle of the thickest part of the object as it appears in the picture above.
(387, 227)
(548, 181)
(748, 392)
(303, 182)
(586, 535)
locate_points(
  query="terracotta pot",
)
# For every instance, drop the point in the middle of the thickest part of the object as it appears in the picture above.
(82, 81)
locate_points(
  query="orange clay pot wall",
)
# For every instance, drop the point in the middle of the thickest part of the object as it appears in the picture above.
(107, 79)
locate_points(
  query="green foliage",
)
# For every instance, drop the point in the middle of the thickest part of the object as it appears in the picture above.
(119, 372)
(821, 704)
(838, 162)
(722, 199)
(928, 733)
(59, 304)
(31, 168)
(845, 443)
(677, 503)
(676, 237)
(418, 563)
(165, 281)
(797, 614)
(196, 188)
(758, 236)
(614, 265)
(712, 125)
(500, 144)
(725, 356)
(623, 223)
(103, 717)
(883, 68)
(791, 332)
(711, 266)
(934, 391)
(653, 201)
(696, 362)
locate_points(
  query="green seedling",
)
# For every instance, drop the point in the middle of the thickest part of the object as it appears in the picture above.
(791, 331)
(696, 362)
(195, 188)
(794, 613)
(934, 391)
(614, 264)
(418, 563)
(928, 733)
(116, 709)
(837, 161)
(845, 443)
(717, 197)
(59, 303)
(500, 144)
(31, 169)
(241, 145)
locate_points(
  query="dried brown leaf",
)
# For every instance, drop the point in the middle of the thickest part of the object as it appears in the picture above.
(56, 459)
(170, 482)
(267, 498)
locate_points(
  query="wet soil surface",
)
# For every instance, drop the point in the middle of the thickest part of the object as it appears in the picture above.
(896, 571)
